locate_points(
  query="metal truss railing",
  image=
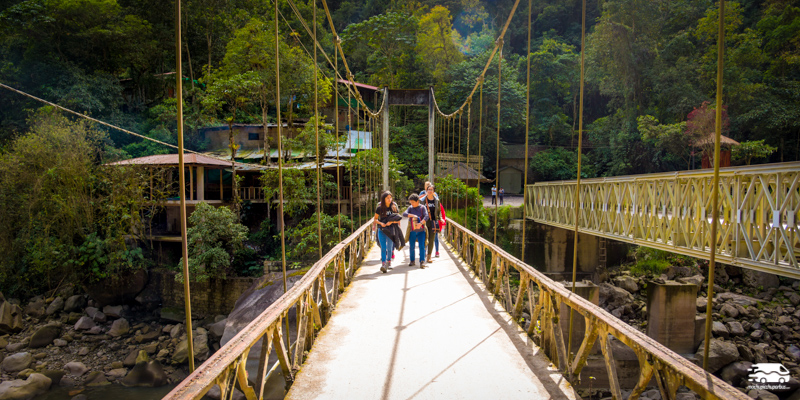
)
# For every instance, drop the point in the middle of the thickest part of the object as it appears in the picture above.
(543, 298)
(758, 226)
(313, 302)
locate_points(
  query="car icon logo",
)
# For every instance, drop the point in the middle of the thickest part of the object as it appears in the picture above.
(768, 373)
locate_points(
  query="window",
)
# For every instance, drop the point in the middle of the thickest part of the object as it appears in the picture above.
(252, 136)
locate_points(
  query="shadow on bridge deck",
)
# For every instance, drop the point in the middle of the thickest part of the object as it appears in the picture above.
(428, 333)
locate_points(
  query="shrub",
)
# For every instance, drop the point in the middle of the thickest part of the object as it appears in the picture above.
(213, 238)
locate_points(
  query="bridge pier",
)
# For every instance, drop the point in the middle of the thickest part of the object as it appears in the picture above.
(670, 311)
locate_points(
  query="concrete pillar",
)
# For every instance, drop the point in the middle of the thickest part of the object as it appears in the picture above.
(588, 291)
(201, 183)
(671, 310)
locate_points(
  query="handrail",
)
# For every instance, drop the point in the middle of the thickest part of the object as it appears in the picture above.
(655, 360)
(314, 302)
(759, 213)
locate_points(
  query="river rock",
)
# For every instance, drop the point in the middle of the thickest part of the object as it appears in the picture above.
(54, 375)
(757, 394)
(14, 347)
(146, 373)
(794, 298)
(117, 373)
(794, 352)
(75, 368)
(96, 378)
(701, 303)
(119, 327)
(60, 342)
(83, 351)
(721, 353)
(74, 303)
(177, 331)
(113, 311)
(55, 306)
(760, 280)
(201, 350)
(19, 389)
(217, 329)
(130, 360)
(611, 296)
(735, 328)
(739, 299)
(17, 362)
(44, 336)
(718, 329)
(627, 283)
(729, 310)
(84, 324)
(736, 372)
(147, 337)
(95, 314)
(694, 280)
(10, 317)
(36, 307)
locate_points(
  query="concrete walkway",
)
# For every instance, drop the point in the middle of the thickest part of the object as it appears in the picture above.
(423, 334)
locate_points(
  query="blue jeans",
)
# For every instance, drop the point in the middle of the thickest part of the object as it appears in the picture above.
(417, 238)
(436, 237)
(387, 246)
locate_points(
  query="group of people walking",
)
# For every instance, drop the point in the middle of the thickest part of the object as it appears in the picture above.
(426, 218)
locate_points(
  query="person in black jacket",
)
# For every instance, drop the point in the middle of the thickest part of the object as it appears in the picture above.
(385, 217)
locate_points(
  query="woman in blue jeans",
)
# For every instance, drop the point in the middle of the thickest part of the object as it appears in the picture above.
(386, 208)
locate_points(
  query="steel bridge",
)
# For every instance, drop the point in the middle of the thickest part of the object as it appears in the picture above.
(458, 323)
(758, 213)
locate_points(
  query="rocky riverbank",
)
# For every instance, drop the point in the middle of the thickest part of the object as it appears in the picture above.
(68, 340)
(756, 320)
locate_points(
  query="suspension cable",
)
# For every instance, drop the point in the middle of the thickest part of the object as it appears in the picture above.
(715, 188)
(280, 158)
(497, 155)
(469, 132)
(480, 154)
(316, 137)
(350, 162)
(578, 182)
(338, 150)
(527, 133)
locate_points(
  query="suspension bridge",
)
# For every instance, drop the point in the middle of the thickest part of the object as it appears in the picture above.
(480, 323)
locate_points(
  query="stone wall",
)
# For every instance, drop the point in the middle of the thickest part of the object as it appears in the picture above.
(213, 297)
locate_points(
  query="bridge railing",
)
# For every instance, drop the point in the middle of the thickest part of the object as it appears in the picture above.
(672, 211)
(313, 302)
(544, 298)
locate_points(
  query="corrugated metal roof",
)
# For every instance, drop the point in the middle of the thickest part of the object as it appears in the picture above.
(172, 159)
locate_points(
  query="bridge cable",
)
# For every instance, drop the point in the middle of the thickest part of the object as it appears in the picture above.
(715, 189)
(497, 154)
(466, 180)
(458, 191)
(350, 162)
(338, 150)
(280, 162)
(316, 137)
(578, 183)
(182, 177)
(527, 133)
(480, 156)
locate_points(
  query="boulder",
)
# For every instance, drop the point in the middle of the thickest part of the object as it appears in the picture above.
(201, 350)
(173, 314)
(75, 368)
(54, 375)
(760, 280)
(147, 337)
(736, 372)
(217, 329)
(96, 378)
(19, 389)
(794, 298)
(117, 373)
(10, 317)
(44, 336)
(610, 297)
(36, 307)
(177, 331)
(701, 304)
(729, 310)
(146, 373)
(119, 289)
(721, 353)
(130, 360)
(55, 306)
(84, 324)
(627, 283)
(13, 347)
(113, 311)
(719, 329)
(734, 298)
(95, 314)
(794, 352)
(694, 280)
(60, 342)
(119, 327)
(735, 328)
(17, 362)
(74, 303)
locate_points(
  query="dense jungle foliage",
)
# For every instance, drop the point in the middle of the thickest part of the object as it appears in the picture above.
(650, 86)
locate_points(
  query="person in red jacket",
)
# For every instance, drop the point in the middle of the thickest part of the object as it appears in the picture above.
(442, 224)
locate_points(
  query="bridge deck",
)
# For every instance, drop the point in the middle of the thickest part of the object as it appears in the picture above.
(423, 334)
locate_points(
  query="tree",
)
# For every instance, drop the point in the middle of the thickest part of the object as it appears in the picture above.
(746, 151)
(701, 127)
(392, 38)
(213, 237)
(437, 43)
(302, 239)
(671, 137)
(559, 164)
